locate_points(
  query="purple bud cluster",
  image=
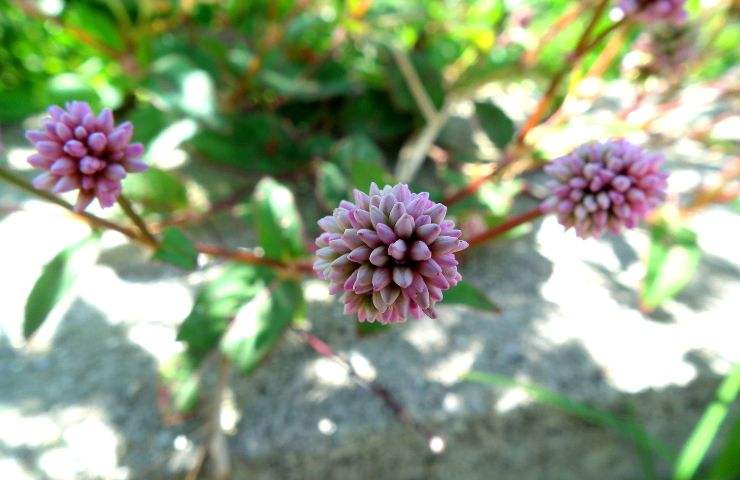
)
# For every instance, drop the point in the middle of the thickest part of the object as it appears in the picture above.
(81, 151)
(390, 254)
(649, 11)
(609, 185)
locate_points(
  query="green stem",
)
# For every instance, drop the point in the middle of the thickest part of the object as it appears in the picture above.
(90, 219)
(128, 209)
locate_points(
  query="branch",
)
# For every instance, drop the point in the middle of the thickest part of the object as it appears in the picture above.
(381, 392)
(412, 154)
(422, 98)
(508, 225)
(535, 118)
(241, 256)
(138, 221)
(90, 219)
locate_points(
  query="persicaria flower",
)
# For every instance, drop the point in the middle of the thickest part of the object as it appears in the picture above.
(390, 253)
(81, 151)
(672, 11)
(607, 185)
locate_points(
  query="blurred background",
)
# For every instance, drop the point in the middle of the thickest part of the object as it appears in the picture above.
(628, 338)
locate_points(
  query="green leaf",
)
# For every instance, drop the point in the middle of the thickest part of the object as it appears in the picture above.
(217, 303)
(362, 161)
(371, 328)
(630, 430)
(181, 377)
(181, 85)
(278, 223)
(293, 86)
(176, 249)
(157, 190)
(257, 142)
(497, 125)
(260, 324)
(706, 429)
(673, 259)
(727, 463)
(96, 22)
(332, 184)
(56, 280)
(464, 293)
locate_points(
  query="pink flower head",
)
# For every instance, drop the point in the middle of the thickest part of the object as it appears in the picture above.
(80, 151)
(671, 11)
(391, 253)
(607, 185)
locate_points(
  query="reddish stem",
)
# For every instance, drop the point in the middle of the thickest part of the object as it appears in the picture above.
(502, 228)
(380, 391)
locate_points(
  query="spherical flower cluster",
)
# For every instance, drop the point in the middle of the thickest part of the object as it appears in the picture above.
(391, 253)
(81, 151)
(607, 185)
(672, 11)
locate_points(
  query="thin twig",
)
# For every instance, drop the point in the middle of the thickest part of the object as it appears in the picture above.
(582, 46)
(506, 226)
(241, 256)
(88, 218)
(128, 209)
(412, 154)
(381, 392)
(416, 87)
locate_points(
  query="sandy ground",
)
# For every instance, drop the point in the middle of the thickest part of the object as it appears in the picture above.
(80, 401)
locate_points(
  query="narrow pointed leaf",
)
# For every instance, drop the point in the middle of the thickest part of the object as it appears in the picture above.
(672, 261)
(55, 282)
(217, 303)
(279, 226)
(465, 293)
(176, 249)
(260, 323)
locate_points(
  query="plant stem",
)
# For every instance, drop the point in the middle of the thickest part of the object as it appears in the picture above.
(239, 256)
(582, 46)
(535, 118)
(416, 87)
(502, 228)
(128, 209)
(380, 391)
(88, 218)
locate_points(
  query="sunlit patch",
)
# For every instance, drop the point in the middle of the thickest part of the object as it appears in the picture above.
(327, 426)
(316, 291)
(51, 8)
(230, 415)
(18, 158)
(451, 402)
(616, 14)
(437, 445)
(182, 443)
(425, 336)
(451, 369)
(512, 399)
(30, 431)
(362, 366)
(89, 446)
(329, 373)
(11, 468)
(167, 301)
(157, 340)
(164, 151)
